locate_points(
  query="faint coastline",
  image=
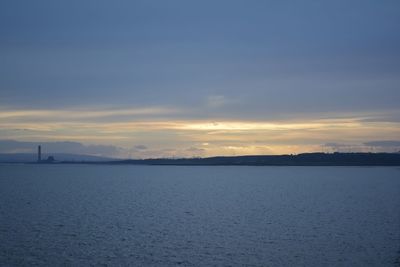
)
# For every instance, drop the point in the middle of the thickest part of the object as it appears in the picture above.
(305, 159)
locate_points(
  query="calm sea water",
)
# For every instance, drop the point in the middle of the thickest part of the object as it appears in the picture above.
(53, 215)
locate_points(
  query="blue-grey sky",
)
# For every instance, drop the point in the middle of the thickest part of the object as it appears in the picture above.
(194, 62)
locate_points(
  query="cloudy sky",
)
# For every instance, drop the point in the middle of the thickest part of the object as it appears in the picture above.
(199, 78)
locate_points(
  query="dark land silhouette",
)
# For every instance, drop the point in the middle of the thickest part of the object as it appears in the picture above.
(306, 159)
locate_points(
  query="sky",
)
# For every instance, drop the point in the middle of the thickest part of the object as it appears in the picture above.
(183, 78)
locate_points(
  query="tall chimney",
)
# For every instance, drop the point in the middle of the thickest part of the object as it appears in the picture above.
(39, 153)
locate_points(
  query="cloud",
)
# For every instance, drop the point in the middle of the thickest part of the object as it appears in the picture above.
(371, 146)
(391, 143)
(195, 150)
(340, 147)
(167, 152)
(84, 114)
(333, 145)
(133, 137)
(217, 101)
(140, 147)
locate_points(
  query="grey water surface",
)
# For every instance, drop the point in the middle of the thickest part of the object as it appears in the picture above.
(80, 215)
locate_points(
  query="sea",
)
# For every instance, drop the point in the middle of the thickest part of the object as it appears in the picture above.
(127, 215)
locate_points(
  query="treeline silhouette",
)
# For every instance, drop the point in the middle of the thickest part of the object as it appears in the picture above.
(307, 159)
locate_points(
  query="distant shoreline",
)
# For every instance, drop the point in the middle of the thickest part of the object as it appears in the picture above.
(306, 159)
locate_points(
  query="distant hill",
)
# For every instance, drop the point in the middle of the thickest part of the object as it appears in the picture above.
(32, 157)
(307, 159)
